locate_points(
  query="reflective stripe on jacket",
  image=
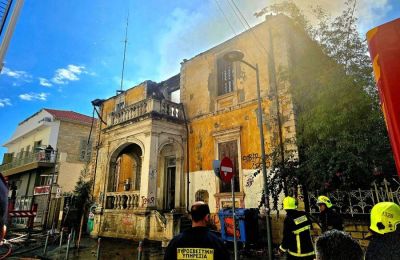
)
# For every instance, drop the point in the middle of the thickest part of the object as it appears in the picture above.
(296, 234)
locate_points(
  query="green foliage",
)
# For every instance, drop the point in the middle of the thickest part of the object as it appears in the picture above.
(339, 122)
(82, 191)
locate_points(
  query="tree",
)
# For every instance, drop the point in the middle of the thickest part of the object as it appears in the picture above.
(340, 126)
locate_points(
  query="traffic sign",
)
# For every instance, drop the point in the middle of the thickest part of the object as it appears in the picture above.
(226, 170)
(216, 167)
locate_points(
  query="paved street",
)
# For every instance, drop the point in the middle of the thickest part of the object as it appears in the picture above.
(110, 249)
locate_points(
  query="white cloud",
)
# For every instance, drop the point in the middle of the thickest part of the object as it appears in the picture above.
(45, 82)
(189, 32)
(17, 74)
(71, 73)
(5, 102)
(34, 96)
(369, 12)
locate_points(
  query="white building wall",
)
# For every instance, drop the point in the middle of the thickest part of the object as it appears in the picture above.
(39, 127)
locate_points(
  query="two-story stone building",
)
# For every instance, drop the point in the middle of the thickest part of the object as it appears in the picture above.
(154, 156)
(50, 144)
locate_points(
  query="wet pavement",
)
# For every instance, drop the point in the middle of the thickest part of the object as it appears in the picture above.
(113, 249)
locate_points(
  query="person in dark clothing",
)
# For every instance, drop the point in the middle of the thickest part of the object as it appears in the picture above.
(328, 218)
(3, 207)
(335, 245)
(297, 242)
(197, 242)
(385, 227)
(48, 152)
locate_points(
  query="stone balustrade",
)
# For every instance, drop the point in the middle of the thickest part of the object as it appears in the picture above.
(150, 106)
(125, 200)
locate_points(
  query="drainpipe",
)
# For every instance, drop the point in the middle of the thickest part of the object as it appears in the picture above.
(187, 158)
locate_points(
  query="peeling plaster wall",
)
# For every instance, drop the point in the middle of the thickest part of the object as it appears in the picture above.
(204, 180)
(270, 45)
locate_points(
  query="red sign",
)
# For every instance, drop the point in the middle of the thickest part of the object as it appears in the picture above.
(384, 47)
(226, 170)
(41, 190)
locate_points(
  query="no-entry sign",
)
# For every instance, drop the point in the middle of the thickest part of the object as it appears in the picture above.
(226, 171)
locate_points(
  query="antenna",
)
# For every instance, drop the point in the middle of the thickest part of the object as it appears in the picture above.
(123, 62)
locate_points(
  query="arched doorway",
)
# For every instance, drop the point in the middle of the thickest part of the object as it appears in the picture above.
(125, 169)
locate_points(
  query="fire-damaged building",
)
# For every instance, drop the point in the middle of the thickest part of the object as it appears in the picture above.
(154, 154)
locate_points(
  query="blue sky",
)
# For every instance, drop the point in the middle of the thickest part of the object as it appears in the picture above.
(64, 54)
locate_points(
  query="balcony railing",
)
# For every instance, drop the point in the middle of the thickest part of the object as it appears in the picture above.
(125, 200)
(152, 107)
(25, 158)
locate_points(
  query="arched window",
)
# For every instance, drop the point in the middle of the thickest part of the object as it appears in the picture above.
(125, 171)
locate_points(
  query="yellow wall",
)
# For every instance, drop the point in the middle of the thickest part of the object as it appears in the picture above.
(107, 108)
(126, 171)
(131, 96)
(135, 94)
(203, 144)
(209, 112)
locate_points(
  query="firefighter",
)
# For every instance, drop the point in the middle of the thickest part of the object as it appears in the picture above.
(296, 242)
(335, 244)
(197, 242)
(385, 228)
(328, 218)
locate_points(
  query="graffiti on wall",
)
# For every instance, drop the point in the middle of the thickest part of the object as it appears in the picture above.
(150, 201)
(254, 159)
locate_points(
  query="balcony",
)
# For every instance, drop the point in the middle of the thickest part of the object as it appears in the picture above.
(28, 161)
(150, 107)
(125, 200)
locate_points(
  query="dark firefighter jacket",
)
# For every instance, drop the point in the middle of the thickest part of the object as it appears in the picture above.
(330, 219)
(384, 247)
(196, 243)
(297, 240)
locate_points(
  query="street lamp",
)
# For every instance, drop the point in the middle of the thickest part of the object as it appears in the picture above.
(237, 55)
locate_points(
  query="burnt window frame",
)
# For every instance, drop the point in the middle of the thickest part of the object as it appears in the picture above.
(225, 187)
(225, 76)
(229, 135)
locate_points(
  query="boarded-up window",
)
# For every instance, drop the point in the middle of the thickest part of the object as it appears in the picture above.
(230, 150)
(225, 76)
(85, 150)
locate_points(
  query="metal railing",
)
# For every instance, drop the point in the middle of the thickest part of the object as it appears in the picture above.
(30, 157)
(150, 106)
(22, 203)
(125, 200)
(357, 202)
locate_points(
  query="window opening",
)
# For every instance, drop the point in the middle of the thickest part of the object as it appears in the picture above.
(225, 76)
(229, 149)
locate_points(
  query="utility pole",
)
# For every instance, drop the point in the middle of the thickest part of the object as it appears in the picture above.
(10, 28)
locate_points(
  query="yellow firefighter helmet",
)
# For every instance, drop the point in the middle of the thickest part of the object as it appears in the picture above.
(289, 203)
(384, 217)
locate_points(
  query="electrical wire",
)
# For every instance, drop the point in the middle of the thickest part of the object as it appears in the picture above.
(226, 18)
(241, 17)
(234, 11)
